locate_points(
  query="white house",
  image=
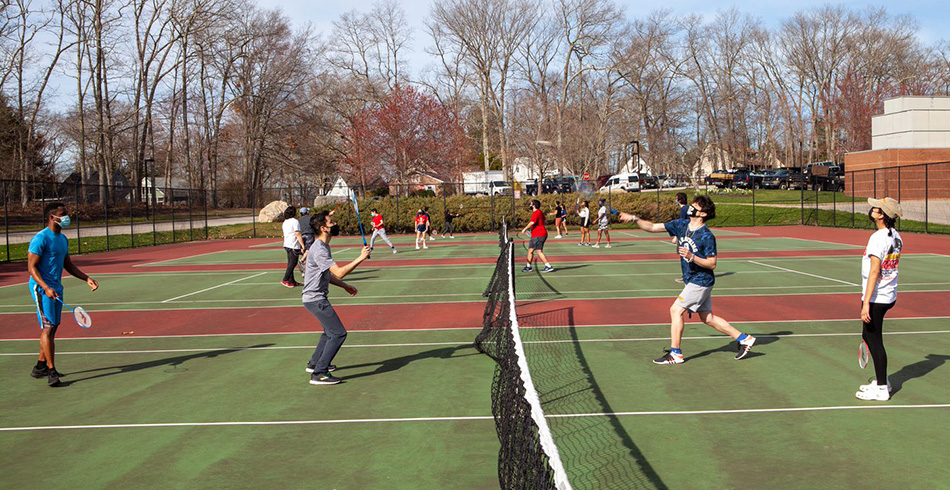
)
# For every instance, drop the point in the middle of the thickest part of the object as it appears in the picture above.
(339, 189)
(178, 189)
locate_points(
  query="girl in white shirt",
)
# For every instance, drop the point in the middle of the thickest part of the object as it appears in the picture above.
(879, 290)
(293, 245)
(584, 213)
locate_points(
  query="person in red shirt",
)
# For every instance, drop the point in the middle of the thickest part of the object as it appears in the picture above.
(379, 230)
(422, 228)
(538, 235)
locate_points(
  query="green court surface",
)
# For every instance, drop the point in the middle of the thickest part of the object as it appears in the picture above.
(449, 249)
(236, 411)
(152, 289)
(618, 420)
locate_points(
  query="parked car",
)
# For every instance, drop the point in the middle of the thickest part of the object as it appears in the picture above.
(565, 184)
(622, 182)
(831, 179)
(649, 182)
(785, 178)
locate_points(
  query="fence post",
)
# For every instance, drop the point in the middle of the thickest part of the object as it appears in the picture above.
(491, 204)
(396, 218)
(874, 179)
(814, 185)
(927, 198)
(191, 224)
(253, 216)
(753, 201)
(898, 194)
(834, 207)
(802, 198)
(131, 218)
(78, 221)
(105, 207)
(852, 199)
(6, 219)
(205, 196)
(171, 190)
(151, 187)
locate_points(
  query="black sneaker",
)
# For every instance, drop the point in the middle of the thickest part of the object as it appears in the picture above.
(548, 268)
(40, 372)
(526, 269)
(330, 368)
(54, 377)
(324, 379)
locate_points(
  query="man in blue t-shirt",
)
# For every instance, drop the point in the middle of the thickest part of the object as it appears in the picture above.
(48, 256)
(696, 246)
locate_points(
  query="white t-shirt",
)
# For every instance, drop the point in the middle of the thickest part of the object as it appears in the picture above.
(602, 214)
(291, 226)
(584, 214)
(888, 249)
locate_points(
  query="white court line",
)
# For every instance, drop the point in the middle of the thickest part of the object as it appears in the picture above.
(748, 410)
(448, 329)
(459, 344)
(824, 241)
(214, 287)
(475, 417)
(180, 258)
(805, 273)
(236, 349)
(296, 301)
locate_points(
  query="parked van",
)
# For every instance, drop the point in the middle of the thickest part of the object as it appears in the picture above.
(622, 182)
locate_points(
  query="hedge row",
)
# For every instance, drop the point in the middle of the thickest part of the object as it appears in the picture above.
(485, 213)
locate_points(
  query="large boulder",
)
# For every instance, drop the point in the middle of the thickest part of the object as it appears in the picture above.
(323, 201)
(272, 212)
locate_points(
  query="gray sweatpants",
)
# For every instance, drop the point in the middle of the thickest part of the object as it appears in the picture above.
(382, 234)
(332, 337)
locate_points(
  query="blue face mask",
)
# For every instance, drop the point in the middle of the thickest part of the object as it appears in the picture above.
(64, 221)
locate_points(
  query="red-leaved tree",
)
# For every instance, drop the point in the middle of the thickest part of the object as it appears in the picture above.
(409, 131)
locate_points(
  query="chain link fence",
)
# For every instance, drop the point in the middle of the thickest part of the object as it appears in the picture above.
(122, 216)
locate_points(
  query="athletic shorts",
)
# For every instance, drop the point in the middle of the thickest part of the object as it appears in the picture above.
(48, 311)
(537, 242)
(421, 228)
(603, 226)
(585, 223)
(695, 298)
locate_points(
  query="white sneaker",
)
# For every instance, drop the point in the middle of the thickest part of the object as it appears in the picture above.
(595, 246)
(417, 247)
(878, 393)
(557, 236)
(607, 246)
(873, 385)
(425, 247)
(394, 251)
(579, 244)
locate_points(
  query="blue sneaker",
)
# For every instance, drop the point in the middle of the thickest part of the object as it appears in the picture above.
(324, 379)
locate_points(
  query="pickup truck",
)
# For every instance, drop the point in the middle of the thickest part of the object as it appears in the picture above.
(827, 178)
(785, 178)
(730, 178)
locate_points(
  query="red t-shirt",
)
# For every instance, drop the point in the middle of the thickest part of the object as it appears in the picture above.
(421, 219)
(377, 221)
(539, 230)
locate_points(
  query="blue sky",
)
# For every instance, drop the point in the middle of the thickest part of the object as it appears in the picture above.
(933, 16)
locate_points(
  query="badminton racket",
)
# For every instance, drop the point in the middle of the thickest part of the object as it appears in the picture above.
(863, 355)
(79, 314)
(356, 207)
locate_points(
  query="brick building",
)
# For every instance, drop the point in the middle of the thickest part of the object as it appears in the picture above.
(910, 152)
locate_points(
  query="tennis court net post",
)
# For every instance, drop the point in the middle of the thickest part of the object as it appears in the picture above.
(528, 457)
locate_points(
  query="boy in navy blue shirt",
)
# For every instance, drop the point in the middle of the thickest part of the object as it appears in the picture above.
(47, 256)
(697, 251)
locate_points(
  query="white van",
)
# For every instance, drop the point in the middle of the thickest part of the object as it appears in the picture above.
(622, 182)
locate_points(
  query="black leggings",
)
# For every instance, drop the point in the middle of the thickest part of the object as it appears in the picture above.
(292, 258)
(448, 229)
(873, 336)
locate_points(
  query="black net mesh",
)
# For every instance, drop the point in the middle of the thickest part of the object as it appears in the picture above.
(522, 462)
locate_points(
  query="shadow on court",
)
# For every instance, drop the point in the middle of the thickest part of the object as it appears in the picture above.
(760, 340)
(173, 362)
(918, 369)
(396, 363)
(597, 451)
